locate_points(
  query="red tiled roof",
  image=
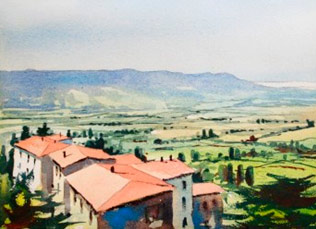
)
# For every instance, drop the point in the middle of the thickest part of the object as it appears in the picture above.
(40, 146)
(206, 188)
(166, 169)
(75, 153)
(112, 189)
(125, 159)
(133, 191)
(131, 173)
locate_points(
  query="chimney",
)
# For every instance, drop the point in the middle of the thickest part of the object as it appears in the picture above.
(64, 153)
(170, 157)
(112, 169)
(55, 141)
(42, 138)
(161, 159)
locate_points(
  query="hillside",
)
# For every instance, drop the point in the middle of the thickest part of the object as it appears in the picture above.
(119, 89)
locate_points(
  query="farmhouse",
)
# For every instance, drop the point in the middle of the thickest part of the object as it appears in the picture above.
(120, 191)
(31, 155)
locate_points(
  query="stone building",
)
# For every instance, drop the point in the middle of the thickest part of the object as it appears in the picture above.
(117, 191)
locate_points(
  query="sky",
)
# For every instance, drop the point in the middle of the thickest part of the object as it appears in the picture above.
(262, 40)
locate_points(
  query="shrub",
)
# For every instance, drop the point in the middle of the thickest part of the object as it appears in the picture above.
(181, 157)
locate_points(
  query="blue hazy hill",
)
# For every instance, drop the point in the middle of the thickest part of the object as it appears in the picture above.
(119, 88)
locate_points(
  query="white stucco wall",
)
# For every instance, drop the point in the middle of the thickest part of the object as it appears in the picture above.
(58, 188)
(80, 212)
(179, 211)
(25, 162)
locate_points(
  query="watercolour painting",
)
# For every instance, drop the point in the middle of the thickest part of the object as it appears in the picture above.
(157, 114)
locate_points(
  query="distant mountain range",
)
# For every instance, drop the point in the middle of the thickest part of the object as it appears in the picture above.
(120, 89)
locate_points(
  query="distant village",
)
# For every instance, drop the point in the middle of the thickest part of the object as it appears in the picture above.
(99, 190)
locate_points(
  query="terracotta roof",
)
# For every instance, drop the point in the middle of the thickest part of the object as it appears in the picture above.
(127, 159)
(133, 191)
(40, 146)
(206, 188)
(131, 173)
(113, 189)
(75, 153)
(165, 170)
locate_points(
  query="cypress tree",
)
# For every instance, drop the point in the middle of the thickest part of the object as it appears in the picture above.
(240, 175)
(250, 176)
(230, 173)
(90, 133)
(231, 153)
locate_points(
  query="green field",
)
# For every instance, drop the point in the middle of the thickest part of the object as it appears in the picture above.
(181, 131)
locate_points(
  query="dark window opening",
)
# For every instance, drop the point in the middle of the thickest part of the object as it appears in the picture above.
(204, 205)
(81, 206)
(20, 154)
(27, 170)
(214, 203)
(28, 158)
(90, 217)
(184, 184)
(184, 222)
(184, 203)
(34, 161)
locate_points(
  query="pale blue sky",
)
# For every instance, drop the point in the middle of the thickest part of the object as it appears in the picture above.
(255, 40)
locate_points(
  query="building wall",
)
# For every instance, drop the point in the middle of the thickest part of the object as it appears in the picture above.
(81, 211)
(208, 210)
(153, 212)
(82, 164)
(182, 201)
(47, 174)
(59, 182)
(25, 162)
(59, 189)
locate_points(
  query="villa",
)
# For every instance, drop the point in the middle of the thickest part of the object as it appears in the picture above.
(117, 191)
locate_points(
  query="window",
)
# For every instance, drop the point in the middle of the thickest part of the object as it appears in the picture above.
(214, 202)
(184, 203)
(205, 205)
(81, 206)
(184, 222)
(20, 153)
(34, 161)
(28, 158)
(184, 184)
(91, 217)
(27, 170)
(75, 198)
